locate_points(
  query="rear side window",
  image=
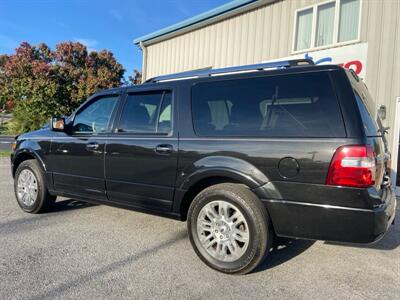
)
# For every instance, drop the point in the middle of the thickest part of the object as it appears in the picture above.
(370, 126)
(298, 105)
(147, 113)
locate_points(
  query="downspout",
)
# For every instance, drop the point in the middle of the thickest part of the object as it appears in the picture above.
(144, 61)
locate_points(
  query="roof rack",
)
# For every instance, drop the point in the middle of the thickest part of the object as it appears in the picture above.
(246, 68)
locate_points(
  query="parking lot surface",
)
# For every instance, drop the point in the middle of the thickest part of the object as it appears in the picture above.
(82, 251)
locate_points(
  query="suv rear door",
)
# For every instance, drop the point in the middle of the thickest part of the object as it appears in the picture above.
(142, 152)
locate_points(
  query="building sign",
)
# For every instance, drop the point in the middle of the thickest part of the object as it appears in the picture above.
(350, 57)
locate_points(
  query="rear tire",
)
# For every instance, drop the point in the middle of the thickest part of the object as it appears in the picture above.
(30, 188)
(229, 228)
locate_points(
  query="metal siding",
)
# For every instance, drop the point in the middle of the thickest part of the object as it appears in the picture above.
(258, 35)
(395, 76)
(230, 41)
(275, 30)
(224, 42)
(373, 36)
(381, 29)
(284, 25)
(253, 36)
(267, 33)
(251, 43)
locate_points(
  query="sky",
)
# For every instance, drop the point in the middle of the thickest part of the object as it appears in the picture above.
(99, 24)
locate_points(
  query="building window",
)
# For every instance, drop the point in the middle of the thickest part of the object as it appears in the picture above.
(327, 24)
(349, 19)
(325, 20)
(303, 32)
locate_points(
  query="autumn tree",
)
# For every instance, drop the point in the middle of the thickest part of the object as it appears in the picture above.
(41, 82)
(136, 78)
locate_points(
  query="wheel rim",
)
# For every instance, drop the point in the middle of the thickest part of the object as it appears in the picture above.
(223, 231)
(27, 187)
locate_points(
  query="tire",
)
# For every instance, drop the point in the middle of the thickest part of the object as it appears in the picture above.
(36, 199)
(219, 242)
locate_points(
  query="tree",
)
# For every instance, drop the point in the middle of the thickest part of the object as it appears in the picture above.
(41, 83)
(136, 78)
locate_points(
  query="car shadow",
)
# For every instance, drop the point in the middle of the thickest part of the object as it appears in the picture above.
(29, 222)
(70, 204)
(282, 250)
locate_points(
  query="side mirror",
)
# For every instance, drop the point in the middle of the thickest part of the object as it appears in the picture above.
(57, 124)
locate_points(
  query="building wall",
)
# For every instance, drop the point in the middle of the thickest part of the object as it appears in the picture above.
(266, 33)
(381, 29)
(261, 34)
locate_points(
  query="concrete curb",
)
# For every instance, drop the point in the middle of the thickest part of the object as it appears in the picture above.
(8, 136)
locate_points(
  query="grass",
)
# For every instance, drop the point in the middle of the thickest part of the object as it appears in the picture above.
(4, 153)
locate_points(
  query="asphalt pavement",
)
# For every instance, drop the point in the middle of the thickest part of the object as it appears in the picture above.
(82, 251)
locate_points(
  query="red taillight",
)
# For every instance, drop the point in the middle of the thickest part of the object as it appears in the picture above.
(353, 166)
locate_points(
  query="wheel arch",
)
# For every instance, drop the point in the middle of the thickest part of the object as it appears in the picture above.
(208, 176)
(26, 154)
(185, 197)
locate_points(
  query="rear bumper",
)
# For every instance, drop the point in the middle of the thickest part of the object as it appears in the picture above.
(332, 223)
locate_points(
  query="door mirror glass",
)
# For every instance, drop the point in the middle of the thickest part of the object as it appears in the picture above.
(57, 124)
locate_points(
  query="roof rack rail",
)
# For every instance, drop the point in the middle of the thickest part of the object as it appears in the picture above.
(238, 69)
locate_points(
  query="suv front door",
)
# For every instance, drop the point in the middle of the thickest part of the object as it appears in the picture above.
(77, 156)
(142, 153)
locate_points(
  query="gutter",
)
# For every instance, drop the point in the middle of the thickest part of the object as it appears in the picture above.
(144, 61)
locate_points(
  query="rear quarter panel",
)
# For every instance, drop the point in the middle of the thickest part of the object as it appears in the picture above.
(313, 155)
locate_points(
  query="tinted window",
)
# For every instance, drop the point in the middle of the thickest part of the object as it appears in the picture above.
(370, 127)
(147, 113)
(95, 116)
(301, 105)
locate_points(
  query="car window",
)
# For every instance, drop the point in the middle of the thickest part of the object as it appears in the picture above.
(370, 126)
(147, 113)
(298, 105)
(220, 111)
(95, 117)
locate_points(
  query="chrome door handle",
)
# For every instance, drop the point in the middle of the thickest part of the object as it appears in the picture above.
(92, 146)
(164, 149)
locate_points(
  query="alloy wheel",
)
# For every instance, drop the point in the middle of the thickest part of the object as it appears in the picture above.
(27, 187)
(223, 231)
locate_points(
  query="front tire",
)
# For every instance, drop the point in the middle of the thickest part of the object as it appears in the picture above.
(229, 228)
(30, 188)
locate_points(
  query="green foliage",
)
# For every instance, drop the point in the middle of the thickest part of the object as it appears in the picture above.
(40, 83)
(5, 153)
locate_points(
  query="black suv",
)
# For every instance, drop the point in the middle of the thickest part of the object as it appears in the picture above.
(243, 154)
